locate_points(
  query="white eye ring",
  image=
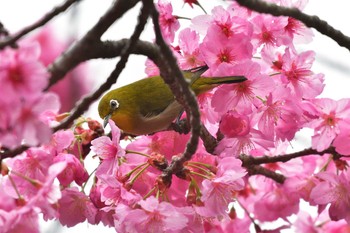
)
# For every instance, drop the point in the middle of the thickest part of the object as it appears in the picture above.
(114, 104)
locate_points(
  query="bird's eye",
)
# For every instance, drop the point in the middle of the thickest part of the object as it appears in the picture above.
(114, 104)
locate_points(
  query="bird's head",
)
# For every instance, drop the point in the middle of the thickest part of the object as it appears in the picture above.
(107, 108)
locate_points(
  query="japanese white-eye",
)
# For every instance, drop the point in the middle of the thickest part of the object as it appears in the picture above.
(148, 105)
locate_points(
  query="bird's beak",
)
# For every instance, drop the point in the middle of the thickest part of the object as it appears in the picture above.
(106, 119)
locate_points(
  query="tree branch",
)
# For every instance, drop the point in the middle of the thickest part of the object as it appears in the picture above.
(11, 40)
(172, 75)
(248, 160)
(259, 170)
(70, 58)
(83, 105)
(3, 30)
(310, 21)
(12, 153)
(98, 49)
(209, 140)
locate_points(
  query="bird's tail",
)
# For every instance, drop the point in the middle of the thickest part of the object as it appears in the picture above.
(204, 84)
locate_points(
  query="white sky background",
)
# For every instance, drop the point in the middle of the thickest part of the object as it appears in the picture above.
(331, 59)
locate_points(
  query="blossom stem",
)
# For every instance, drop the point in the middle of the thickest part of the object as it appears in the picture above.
(200, 6)
(195, 185)
(135, 169)
(200, 163)
(208, 172)
(274, 74)
(136, 152)
(90, 175)
(15, 187)
(32, 181)
(325, 166)
(146, 165)
(199, 174)
(182, 17)
(256, 226)
(149, 193)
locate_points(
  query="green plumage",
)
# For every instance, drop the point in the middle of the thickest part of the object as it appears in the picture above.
(149, 96)
(148, 105)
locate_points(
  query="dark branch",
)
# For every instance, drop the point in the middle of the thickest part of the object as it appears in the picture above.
(12, 153)
(82, 49)
(259, 170)
(83, 105)
(11, 40)
(209, 140)
(310, 21)
(172, 75)
(250, 160)
(98, 49)
(3, 30)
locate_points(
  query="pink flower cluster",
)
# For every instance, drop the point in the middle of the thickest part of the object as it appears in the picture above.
(214, 192)
(23, 104)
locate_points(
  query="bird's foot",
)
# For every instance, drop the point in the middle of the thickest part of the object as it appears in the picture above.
(180, 126)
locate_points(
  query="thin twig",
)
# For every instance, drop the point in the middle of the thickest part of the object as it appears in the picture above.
(3, 30)
(310, 21)
(10, 40)
(83, 105)
(250, 160)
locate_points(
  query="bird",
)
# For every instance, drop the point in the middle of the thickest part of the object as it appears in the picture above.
(148, 105)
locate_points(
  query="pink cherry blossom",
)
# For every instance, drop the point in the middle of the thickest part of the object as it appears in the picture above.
(167, 143)
(241, 96)
(234, 125)
(232, 51)
(268, 30)
(153, 216)
(334, 190)
(43, 200)
(23, 105)
(32, 163)
(296, 31)
(340, 142)
(46, 198)
(191, 2)
(297, 74)
(326, 117)
(113, 192)
(29, 127)
(240, 136)
(218, 192)
(74, 171)
(305, 223)
(60, 141)
(21, 74)
(14, 222)
(275, 203)
(167, 21)
(75, 207)
(223, 23)
(109, 151)
(336, 226)
(279, 115)
(189, 45)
